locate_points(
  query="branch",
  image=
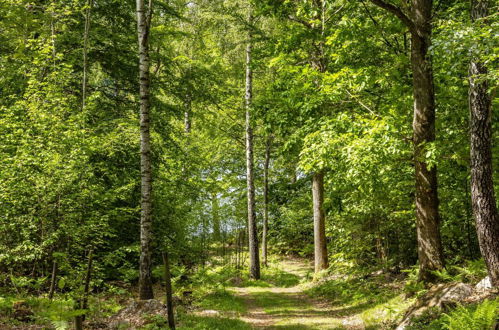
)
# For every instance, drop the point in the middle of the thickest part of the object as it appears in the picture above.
(397, 12)
(297, 20)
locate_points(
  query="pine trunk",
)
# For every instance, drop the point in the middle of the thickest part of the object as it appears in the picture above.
(482, 185)
(320, 248)
(252, 228)
(145, 283)
(427, 215)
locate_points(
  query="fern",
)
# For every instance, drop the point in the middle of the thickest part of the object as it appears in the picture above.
(478, 317)
(473, 271)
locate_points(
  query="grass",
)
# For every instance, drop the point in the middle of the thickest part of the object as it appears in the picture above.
(286, 297)
(224, 301)
(208, 323)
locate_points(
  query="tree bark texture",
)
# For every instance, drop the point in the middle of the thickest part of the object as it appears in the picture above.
(143, 22)
(430, 251)
(482, 184)
(252, 227)
(320, 248)
(265, 200)
(169, 291)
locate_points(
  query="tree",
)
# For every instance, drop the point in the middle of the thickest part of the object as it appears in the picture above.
(252, 227)
(265, 226)
(482, 184)
(320, 248)
(143, 28)
(430, 252)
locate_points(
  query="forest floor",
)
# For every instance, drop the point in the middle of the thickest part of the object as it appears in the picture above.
(283, 299)
(282, 307)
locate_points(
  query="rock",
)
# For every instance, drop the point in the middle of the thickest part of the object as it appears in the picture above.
(138, 314)
(455, 294)
(441, 296)
(484, 284)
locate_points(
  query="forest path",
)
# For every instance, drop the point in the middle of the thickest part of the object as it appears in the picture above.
(279, 302)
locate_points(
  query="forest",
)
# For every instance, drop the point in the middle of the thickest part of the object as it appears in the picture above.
(249, 164)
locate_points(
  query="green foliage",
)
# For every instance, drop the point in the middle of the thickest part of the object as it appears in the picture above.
(155, 322)
(335, 98)
(481, 317)
(223, 300)
(356, 291)
(472, 271)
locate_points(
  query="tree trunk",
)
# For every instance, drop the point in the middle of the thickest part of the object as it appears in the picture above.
(427, 216)
(252, 228)
(265, 200)
(215, 217)
(320, 248)
(187, 113)
(85, 53)
(319, 62)
(53, 279)
(86, 288)
(430, 252)
(83, 302)
(143, 22)
(169, 291)
(482, 185)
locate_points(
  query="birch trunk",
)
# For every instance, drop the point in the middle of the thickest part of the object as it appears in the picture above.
(143, 22)
(252, 228)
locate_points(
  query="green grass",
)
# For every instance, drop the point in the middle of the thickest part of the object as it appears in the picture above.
(272, 276)
(354, 291)
(223, 301)
(280, 278)
(210, 323)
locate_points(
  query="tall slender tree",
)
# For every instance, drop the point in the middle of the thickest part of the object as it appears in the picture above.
(266, 199)
(319, 62)
(143, 28)
(320, 247)
(86, 35)
(482, 185)
(215, 214)
(430, 251)
(252, 227)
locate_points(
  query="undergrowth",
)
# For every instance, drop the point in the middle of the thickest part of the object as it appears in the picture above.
(481, 316)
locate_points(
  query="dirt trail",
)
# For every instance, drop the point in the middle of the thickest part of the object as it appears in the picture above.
(288, 307)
